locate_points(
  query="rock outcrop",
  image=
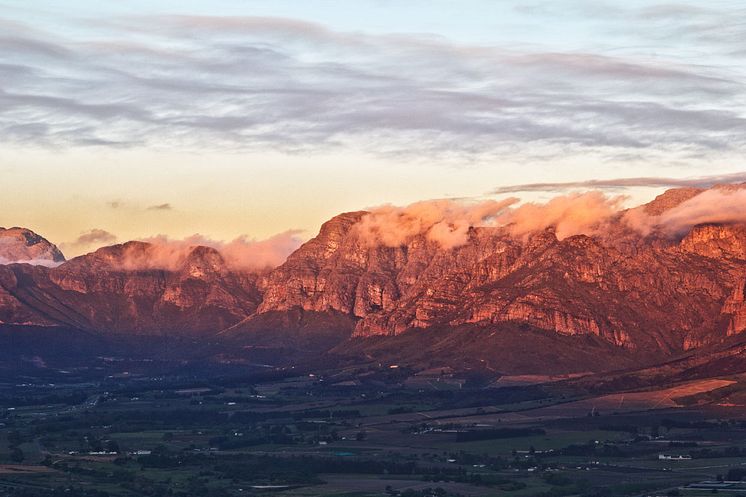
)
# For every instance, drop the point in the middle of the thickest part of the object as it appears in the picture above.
(20, 245)
(629, 290)
(716, 241)
(665, 297)
(670, 199)
(104, 292)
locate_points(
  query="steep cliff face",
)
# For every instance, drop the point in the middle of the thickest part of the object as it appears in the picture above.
(667, 296)
(340, 271)
(107, 292)
(317, 276)
(716, 241)
(726, 246)
(640, 291)
(670, 199)
(734, 310)
(23, 245)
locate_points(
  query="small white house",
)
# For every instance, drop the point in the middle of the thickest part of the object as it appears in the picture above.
(679, 457)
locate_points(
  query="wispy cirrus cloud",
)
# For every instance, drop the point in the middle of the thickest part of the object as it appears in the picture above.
(252, 83)
(617, 183)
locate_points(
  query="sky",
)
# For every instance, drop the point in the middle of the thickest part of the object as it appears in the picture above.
(240, 118)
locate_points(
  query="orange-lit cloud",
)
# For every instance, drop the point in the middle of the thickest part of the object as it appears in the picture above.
(443, 221)
(573, 214)
(719, 205)
(242, 253)
(447, 221)
(591, 213)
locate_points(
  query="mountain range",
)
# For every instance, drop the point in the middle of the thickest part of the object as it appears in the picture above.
(536, 302)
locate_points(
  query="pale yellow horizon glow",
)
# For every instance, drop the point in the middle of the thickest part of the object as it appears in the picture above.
(62, 194)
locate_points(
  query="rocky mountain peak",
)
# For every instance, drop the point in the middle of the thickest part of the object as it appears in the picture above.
(670, 199)
(650, 293)
(330, 235)
(202, 261)
(716, 241)
(23, 245)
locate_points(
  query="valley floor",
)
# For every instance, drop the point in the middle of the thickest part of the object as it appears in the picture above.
(315, 434)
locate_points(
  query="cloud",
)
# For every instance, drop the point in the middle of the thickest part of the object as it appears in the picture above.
(447, 222)
(119, 204)
(89, 240)
(714, 28)
(242, 253)
(253, 83)
(615, 183)
(720, 205)
(95, 236)
(574, 214)
(442, 221)
(593, 213)
(33, 262)
(695, 28)
(160, 207)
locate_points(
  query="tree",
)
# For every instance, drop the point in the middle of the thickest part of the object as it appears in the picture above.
(14, 438)
(16, 455)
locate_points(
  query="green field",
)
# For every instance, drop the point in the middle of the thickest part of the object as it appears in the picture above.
(304, 437)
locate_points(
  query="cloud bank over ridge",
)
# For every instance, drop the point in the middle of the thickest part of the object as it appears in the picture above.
(593, 213)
